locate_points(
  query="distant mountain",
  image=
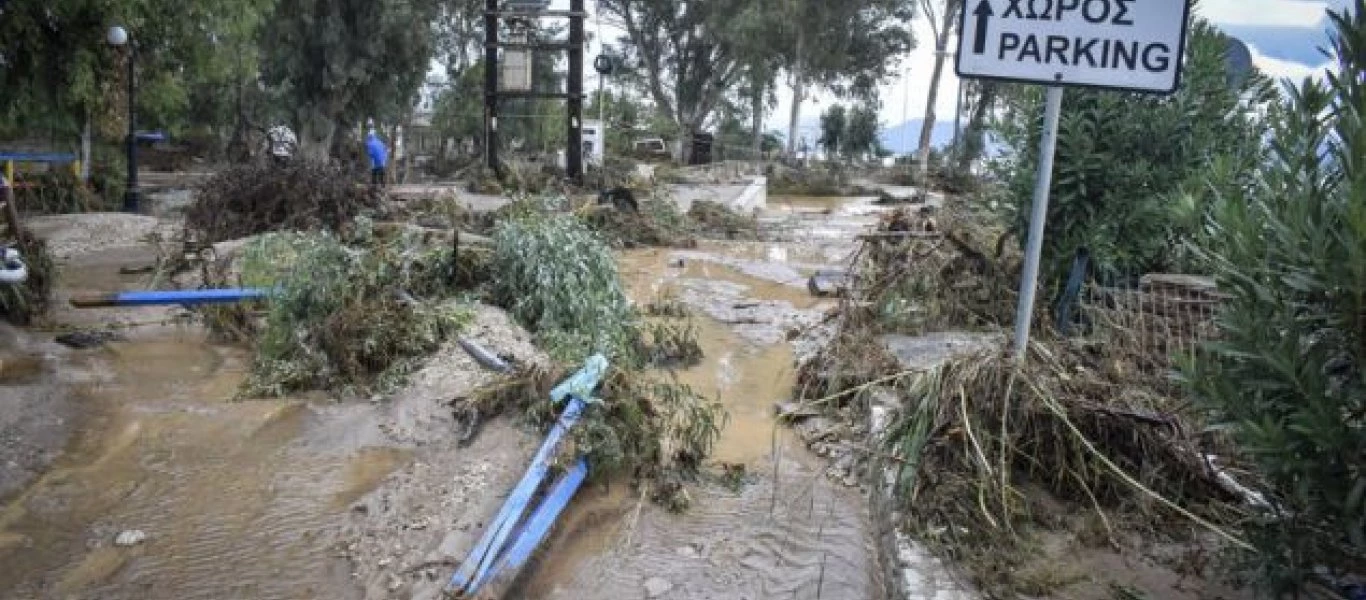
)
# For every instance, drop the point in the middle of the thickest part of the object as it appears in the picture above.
(901, 139)
(905, 138)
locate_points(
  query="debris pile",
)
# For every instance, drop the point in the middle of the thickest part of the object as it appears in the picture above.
(809, 181)
(657, 224)
(22, 304)
(980, 455)
(246, 200)
(717, 220)
(992, 455)
(925, 270)
(57, 192)
(558, 278)
(350, 314)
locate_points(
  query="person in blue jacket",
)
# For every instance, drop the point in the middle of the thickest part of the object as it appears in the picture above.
(379, 157)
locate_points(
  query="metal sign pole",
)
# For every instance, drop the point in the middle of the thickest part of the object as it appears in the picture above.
(1029, 282)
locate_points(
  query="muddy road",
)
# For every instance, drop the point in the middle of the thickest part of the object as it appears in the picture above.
(312, 497)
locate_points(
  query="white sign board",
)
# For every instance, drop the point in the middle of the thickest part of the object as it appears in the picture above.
(1133, 45)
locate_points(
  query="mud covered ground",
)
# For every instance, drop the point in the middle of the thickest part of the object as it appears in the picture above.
(310, 497)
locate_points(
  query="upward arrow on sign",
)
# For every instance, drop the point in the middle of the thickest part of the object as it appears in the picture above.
(983, 13)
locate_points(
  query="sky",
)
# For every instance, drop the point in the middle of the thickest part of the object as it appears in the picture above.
(1284, 37)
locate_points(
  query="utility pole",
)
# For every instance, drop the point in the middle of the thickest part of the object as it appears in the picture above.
(574, 158)
(526, 10)
(491, 84)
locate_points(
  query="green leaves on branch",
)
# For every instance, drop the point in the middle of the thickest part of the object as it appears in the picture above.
(1130, 180)
(1288, 375)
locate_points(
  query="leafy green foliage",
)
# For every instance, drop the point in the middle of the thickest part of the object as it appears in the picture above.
(560, 280)
(843, 46)
(1288, 377)
(1122, 157)
(340, 62)
(860, 137)
(59, 70)
(348, 316)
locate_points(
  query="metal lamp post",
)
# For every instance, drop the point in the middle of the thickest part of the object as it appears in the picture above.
(118, 37)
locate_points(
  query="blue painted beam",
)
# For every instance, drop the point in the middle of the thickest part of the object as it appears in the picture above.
(537, 526)
(38, 157)
(482, 557)
(170, 297)
(481, 560)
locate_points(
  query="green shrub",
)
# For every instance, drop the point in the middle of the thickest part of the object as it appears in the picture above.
(559, 279)
(346, 316)
(1288, 377)
(1122, 156)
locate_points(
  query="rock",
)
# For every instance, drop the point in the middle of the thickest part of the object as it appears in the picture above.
(929, 351)
(130, 537)
(794, 410)
(656, 587)
(678, 263)
(816, 429)
(847, 462)
(82, 340)
(882, 404)
(827, 283)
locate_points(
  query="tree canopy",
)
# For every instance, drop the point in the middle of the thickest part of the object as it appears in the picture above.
(1129, 169)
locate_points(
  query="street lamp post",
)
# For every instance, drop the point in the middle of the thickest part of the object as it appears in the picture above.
(118, 37)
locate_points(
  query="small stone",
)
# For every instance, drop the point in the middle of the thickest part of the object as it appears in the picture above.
(693, 550)
(657, 586)
(131, 537)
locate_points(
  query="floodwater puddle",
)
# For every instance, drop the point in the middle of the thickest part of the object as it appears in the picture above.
(248, 499)
(232, 497)
(785, 531)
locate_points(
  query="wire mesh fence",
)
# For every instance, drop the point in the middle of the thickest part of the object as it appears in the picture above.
(1151, 319)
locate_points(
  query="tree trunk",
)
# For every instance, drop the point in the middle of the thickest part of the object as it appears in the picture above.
(974, 142)
(927, 127)
(85, 149)
(798, 94)
(316, 135)
(757, 143)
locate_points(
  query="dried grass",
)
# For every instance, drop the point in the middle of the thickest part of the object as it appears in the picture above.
(246, 200)
(642, 425)
(988, 450)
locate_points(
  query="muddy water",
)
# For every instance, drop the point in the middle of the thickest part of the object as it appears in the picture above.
(784, 532)
(237, 499)
(247, 499)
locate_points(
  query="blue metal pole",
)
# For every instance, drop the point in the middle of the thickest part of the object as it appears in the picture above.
(170, 297)
(488, 551)
(537, 527)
